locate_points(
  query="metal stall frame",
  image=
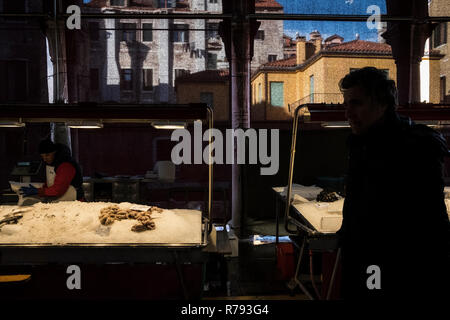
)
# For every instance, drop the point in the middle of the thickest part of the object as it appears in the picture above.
(428, 113)
(314, 239)
(44, 253)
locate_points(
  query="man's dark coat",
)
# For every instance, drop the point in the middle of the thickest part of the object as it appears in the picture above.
(394, 213)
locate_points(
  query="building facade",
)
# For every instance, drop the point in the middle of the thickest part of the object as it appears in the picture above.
(23, 62)
(313, 74)
(138, 60)
(439, 41)
(211, 87)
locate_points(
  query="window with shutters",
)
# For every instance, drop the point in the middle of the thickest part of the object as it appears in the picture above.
(276, 94)
(181, 73)
(141, 3)
(208, 98)
(272, 57)
(126, 79)
(442, 84)
(167, 3)
(212, 30)
(128, 32)
(180, 33)
(147, 32)
(259, 35)
(259, 93)
(439, 35)
(212, 61)
(117, 3)
(147, 79)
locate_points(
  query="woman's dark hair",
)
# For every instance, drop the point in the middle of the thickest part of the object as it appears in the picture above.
(46, 146)
(375, 83)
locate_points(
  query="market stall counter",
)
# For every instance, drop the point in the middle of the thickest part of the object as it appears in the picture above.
(110, 242)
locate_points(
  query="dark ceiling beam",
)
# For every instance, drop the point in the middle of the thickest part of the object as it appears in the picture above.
(257, 16)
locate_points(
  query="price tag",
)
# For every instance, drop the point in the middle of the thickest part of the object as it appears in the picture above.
(139, 207)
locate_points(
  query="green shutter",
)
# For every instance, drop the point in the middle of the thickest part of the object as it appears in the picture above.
(276, 94)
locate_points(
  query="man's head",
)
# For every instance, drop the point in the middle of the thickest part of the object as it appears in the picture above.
(47, 150)
(368, 93)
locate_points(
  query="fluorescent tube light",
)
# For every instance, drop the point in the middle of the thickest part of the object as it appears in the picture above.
(169, 125)
(83, 124)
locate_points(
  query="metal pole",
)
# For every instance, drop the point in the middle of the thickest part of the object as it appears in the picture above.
(291, 166)
(56, 89)
(210, 169)
(336, 263)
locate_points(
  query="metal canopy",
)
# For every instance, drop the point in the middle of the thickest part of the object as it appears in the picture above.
(113, 112)
(316, 112)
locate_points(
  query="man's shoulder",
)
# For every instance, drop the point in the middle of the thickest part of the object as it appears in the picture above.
(425, 139)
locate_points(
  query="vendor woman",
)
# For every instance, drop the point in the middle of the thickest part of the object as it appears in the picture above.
(63, 174)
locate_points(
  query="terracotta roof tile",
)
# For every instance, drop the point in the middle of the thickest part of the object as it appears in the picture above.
(288, 41)
(361, 46)
(334, 36)
(206, 76)
(355, 46)
(289, 62)
(268, 4)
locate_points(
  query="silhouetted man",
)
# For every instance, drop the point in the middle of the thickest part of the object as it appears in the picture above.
(395, 231)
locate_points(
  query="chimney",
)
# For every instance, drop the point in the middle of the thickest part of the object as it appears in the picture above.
(314, 35)
(301, 49)
(317, 44)
(316, 39)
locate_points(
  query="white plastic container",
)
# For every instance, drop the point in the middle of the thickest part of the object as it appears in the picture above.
(15, 187)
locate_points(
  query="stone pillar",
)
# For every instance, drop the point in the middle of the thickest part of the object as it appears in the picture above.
(238, 36)
(407, 40)
(111, 89)
(164, 59)
(55, 33)
(199, 39)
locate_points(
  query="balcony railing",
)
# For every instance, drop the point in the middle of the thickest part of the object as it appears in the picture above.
(328, 98)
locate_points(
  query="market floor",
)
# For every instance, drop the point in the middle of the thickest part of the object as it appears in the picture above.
(256, 273)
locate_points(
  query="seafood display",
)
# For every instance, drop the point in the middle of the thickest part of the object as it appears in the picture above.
(327, 196)
(145, 222)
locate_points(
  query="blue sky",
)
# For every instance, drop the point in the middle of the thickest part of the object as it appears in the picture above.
(347, 30)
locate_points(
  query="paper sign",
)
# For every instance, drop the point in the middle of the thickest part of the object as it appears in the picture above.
(139, 207)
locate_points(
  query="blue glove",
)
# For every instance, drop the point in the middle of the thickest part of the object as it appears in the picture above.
(28, 191)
